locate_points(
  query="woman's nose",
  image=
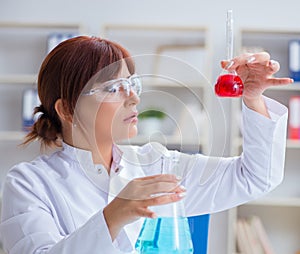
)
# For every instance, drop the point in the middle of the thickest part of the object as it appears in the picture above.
(133, 98)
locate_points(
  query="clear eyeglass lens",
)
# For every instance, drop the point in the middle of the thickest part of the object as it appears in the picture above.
(114, 88)
(136, 85)
(118, 89)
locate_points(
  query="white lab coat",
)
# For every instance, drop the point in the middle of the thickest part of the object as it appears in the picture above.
(55, 204)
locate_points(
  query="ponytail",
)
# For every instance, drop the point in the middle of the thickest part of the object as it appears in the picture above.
(47, 128)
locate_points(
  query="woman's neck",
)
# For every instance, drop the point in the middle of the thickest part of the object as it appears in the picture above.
(101, 150)
(103, 155)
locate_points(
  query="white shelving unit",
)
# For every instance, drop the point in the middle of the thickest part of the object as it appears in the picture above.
(22, 50)
(279, 210)
(177, 60)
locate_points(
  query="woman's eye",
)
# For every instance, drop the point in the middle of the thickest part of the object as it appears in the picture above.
(133, 83)
(112, 89)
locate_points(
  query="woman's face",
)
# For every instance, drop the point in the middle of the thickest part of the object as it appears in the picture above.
(118, 120)
(109, 120)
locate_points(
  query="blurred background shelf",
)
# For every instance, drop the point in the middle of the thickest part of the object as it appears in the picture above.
(18, 79)
(12, 135)
(292, 87)
(283, 203)
(276, 201)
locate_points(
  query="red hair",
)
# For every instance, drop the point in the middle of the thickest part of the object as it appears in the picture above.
(64, 73)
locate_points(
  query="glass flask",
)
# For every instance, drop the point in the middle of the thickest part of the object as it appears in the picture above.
(169, 233)
(229, 84)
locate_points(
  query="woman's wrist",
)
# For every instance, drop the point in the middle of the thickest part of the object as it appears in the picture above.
(257, 104)
(111, 222)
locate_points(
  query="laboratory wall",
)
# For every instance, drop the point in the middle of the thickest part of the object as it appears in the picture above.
(94, 14)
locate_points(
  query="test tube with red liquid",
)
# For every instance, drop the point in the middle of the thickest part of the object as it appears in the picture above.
(229, 84)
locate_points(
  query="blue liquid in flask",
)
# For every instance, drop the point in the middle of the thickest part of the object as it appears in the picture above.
(165, 235)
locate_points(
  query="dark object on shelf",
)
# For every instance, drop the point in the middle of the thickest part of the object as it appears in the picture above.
(30, 101)
(294, 59)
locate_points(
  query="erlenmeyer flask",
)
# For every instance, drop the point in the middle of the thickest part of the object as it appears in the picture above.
(169, 233)
(229, 84)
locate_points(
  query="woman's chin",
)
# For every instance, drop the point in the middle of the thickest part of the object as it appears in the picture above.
(132, 134)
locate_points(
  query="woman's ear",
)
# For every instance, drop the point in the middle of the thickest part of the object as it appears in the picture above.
(62, 111)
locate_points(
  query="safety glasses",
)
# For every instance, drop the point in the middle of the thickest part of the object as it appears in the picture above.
(116, 90)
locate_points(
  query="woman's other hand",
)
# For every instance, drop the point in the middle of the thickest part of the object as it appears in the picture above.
(134, 200)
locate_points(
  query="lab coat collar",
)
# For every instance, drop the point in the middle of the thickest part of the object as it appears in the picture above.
(85, 159)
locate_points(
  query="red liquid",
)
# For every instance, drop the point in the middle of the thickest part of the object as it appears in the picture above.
(294, 133)
(229, 85)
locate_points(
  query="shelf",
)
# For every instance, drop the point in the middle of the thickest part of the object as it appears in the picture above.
(23, 25)
(293, 144)
(272, 31)
(292, 87)
(12, 135)
(18, 79)
(29, 42)
(285, 202)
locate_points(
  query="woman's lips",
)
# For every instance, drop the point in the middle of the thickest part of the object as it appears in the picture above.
(131, 119)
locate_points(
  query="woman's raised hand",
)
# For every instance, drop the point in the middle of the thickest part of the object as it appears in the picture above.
(256, 71)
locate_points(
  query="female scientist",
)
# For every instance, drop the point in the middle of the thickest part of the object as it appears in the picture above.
(90, 195)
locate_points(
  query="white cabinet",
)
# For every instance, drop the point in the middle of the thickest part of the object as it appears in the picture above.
(279, 210)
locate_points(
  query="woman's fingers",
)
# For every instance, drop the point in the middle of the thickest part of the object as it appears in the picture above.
(158, 178)
(279, 81)
(164, 199)
(145, 212)
(256, 71)
(160, 187)
(257, 61)
(274, 66)
(162, 184)
(145, 187)
(263, 58)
